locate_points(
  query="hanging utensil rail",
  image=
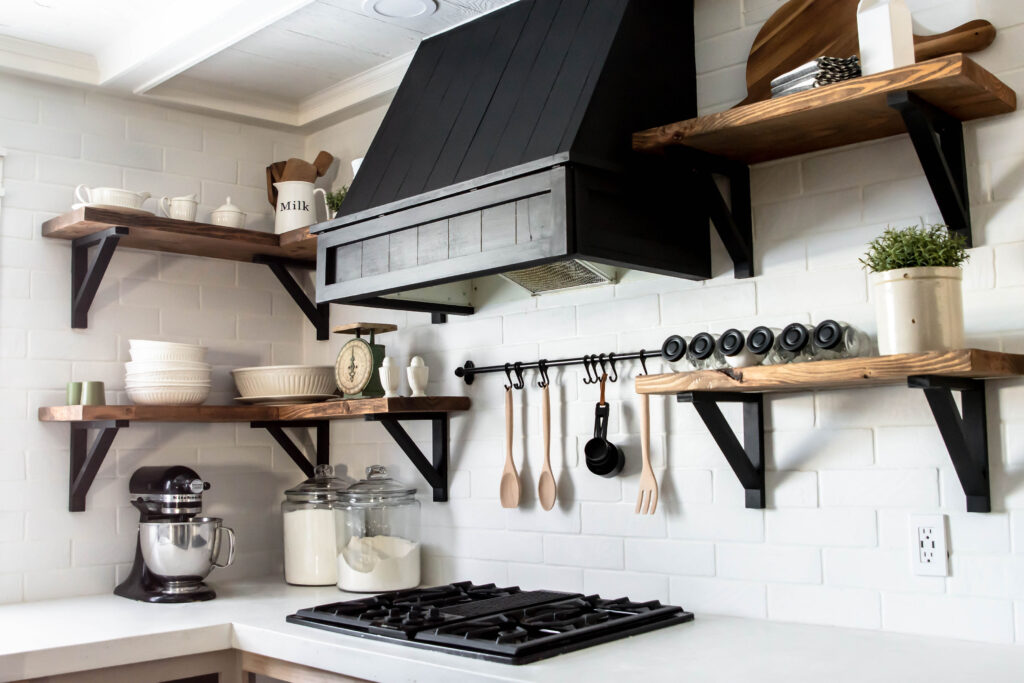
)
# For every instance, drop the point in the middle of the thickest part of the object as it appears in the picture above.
(595, 365)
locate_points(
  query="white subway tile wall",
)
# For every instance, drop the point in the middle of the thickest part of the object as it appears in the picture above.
(846, 469)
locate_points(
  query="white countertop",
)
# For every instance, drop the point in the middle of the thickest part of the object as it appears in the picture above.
(59, 636)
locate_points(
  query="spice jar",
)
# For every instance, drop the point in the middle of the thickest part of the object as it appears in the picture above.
(310, 543)
(703, 353)
(794, 344)
(733, 347)
(834, 340)
(378, 522)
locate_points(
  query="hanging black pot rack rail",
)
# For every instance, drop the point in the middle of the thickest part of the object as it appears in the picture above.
(595, 364)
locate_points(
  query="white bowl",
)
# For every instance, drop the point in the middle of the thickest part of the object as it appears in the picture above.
(168, 396)
(146, 350)
(146, 382)
(137, 366)
(161, 376)
(285, 380)
(111, 196)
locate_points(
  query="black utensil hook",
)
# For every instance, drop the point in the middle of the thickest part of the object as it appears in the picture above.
(643, 360)
(587, 363)
(518, 368)
(542, 366)
(508, 373)
(614, 375)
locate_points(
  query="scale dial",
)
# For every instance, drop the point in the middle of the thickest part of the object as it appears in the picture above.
(355, 366)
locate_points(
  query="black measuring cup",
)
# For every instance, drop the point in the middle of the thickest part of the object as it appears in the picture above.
(603, 457)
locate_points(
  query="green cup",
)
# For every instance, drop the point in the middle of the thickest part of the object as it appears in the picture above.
(93, 394)
(74, 393)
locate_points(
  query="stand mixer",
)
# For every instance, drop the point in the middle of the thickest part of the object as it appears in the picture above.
(176, 549)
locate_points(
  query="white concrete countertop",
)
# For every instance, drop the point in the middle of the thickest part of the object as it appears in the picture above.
(59, 636)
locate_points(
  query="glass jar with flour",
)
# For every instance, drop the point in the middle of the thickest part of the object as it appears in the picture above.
(310, 536)
(378, 523)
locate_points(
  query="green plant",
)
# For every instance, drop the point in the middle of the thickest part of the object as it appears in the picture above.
(913, 247)
(334, 199)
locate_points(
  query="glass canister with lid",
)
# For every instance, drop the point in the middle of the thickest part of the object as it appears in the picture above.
(310, 535)
(378, 522)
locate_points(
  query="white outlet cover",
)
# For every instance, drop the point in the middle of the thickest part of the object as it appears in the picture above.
(929, 545)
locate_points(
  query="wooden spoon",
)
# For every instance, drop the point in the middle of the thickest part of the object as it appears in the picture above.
(546, 485)
(509, 477)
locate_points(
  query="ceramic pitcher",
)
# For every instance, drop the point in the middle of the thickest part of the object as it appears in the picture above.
(182, 208)
(296, 207)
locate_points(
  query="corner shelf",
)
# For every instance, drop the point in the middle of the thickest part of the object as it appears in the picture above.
(929, 100)
(86, 460)
(938, 374)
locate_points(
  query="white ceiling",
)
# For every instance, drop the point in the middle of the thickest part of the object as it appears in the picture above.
(291, 62)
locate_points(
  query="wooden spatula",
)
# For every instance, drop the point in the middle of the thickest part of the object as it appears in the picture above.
(546, 485)
(510, 487)
(802, 30)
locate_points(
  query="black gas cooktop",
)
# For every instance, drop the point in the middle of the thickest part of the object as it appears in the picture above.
(487, 622)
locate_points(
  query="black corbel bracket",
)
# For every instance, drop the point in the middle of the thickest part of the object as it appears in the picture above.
(734, 225)
(86, 276)
(939, 141)
(436, 472)
(86, 460)
(323, 442)
(966, 436)
(746, 460)
(318, 314)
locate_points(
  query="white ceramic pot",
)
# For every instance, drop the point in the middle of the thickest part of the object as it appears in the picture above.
(110, 196)
(228, 215)
(919, 309)
(296, 207)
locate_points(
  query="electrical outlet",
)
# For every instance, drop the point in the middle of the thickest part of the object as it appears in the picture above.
(929, 552)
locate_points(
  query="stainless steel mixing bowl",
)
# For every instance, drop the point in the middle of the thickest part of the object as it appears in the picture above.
(182, 554)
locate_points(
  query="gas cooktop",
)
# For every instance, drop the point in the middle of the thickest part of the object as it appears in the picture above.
(506, 625)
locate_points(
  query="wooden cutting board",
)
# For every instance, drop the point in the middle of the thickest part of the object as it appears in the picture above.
(802, 30)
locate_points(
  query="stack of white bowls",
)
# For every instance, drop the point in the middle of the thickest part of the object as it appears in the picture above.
(167, 373)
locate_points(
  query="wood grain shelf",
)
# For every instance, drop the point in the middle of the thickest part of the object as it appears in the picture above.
(108, 420)
(937, 374)
(840, 114)
(330, 410)
(848, 373)
(153, 233)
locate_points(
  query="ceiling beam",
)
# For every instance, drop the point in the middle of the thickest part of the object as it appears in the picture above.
(38, 60)
(177, 40)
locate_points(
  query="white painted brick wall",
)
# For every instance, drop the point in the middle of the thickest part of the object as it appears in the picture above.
(845, 468)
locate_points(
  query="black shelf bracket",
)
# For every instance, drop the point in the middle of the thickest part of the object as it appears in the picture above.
(746, 460)
(86, 459)
(966, 436)
(435, 471)
(86, 276)
(318, 314)
(733, 220)
(939, 141)
(322, 456)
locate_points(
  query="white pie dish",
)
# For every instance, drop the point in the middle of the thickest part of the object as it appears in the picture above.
(285, 380)
(168, 396)
(284, 400)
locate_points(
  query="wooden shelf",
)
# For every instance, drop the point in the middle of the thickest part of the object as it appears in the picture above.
(108, 420)
(154, 233)
(938, 374)
(850, 373)
(838, 114)
(330, 410)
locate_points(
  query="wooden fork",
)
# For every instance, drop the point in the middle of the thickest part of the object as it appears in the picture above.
(647, 496)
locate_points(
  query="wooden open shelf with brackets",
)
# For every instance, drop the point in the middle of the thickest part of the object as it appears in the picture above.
(86, 460)
(938, 374)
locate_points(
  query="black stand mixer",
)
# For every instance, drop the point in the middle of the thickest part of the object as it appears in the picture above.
(176, 549)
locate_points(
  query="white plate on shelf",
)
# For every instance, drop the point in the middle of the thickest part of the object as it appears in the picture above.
(286, 400)
(111, 207)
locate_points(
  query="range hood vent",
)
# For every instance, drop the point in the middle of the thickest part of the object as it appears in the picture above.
(507, 150)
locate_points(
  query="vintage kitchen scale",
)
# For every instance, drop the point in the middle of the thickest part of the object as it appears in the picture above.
(357, 364)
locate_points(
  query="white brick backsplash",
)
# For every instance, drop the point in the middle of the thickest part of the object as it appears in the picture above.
(198, 165)
(64, 171)
(164, 133)
(973, 533)
(760, 562)
(811, 291)
(625, 584)
(121, 153)
(151, 293)
(545, 577)
(708, 303)
(848, 527)
(42, 139)
(1010, 264)
(48, 344)
(820, 448)
(536, 326)
(823, 605)
(161, 185)
(670, 557)
(792, 489)
(627, 314)
(878, 569)
(595, 552)
(880, 488)
(213, 324)
(610, 519)
(685, 486)
(949, 617)
(799, 217)
(719, 596)
(34, 556)
(498, 545)
(714, 522)
(994, 576)
(64, 583)
(885, 406)
(531, 517)
(238, 146)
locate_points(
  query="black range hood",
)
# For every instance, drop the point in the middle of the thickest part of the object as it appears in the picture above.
(507, 149)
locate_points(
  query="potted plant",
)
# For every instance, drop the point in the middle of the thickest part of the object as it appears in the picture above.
(334, 200)
(918, 284)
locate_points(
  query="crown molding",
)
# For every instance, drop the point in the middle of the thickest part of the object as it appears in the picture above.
(36, 59)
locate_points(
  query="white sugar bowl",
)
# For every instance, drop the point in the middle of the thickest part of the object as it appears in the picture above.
(228, 215)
